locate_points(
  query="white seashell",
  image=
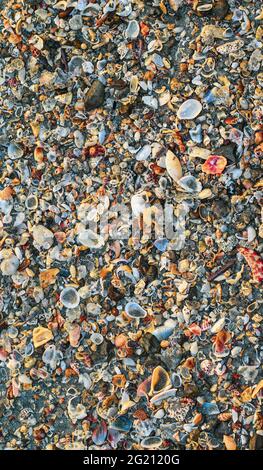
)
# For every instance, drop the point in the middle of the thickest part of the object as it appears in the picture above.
(164, 331)
(251, 234)
(31, 202)
(173, 166)
(76, 412)
(14, 151)
(150, 101)
(42, 236)
(199, 152)
(189, 109)
(134, 310)
(164, 98)
(79, 139)
(190, 184)
(90, 239)
(218, 326)
(143, 153)
(9, 266)
(69, 297)
(133, 30)
(75, 22)
(85, 380)
(157, 399)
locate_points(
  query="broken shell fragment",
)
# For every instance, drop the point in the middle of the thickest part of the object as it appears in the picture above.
(134, 310)
(173, 166)
(41, 336)
(9, 266)
(95, 96)
(214, 165)
(152, 442)
(133, 30)
(42, 236)
(14, 151)
(254, 261)
(189, 109)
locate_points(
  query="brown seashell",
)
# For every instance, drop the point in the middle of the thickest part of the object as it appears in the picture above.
(48, 277)
(229, 443)
(119, 380)
(160, 380)
(41, 336)
(6, 193)
(39, 154)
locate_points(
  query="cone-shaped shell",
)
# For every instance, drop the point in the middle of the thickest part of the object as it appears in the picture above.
(160, 380)
(173, 166)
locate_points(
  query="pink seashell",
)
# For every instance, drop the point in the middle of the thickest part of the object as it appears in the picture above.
(254, 261)
(195, 329)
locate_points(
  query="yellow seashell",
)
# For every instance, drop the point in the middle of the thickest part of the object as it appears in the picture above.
(39, 154)
(48, 277)
(160, 380)
(41, 336)
(173, 166)
(229, 442)
(257, 389)
(35, 126)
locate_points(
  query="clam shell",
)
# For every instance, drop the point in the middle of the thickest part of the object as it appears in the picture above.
(133, 310)
(190, 184)
(69, 297)
(163, 332)
(189, 109)
(157, 399)
(173, 166)
(160, 380)
(41, 336)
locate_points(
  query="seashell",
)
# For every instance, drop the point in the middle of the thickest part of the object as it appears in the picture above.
(74, 334)
(79, 139)
(76, 412)
(49, 355)
(190, 184)
(85, 380)
(205, 194)
(220, 341)
(212, 32)
(99, 434)
(90, 239)
(139, 203)
(151, 442)
(122, 423)
(214, 165)
(75, 22)
(150, 101)
(254, 261)
(39, 154)
(160, 381)
(196, 134)
(204, 8)
(75, 65)
(143, 153)
(189, 109)
(157, 399)
(69, 297)
(134, 84)
(96, 338)
(161, 244)
(14, 151)
(31, 202)
(48, 277)
(132, 30)
(230, 47)
(35, 126)
(6, 193)
(173, 166)
(133, 310)
(9, 266)
(42, 236)
(218, 326)
(229, 442)
(144, 388)
(41, 336)
(95, 96)
(163, 332)
(175, 4)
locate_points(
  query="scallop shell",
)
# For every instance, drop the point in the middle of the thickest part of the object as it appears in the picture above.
(189, 109)
(214, 165)
(134, 310)
(173, 166)
(190, 184)
(160, 381)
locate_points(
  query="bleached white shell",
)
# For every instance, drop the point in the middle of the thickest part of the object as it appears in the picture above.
(43, 236)
(134, 310)
(189, 109)
(143, 153)
(69, 297)
(90, 239)
(173, 166)
(138, 204)
(9, 266)
(133, 30)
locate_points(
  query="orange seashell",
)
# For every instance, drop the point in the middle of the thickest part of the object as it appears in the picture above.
(160, 380)
(119, 380)
(60, 237)
(143, 389)
(257, 389)
(39, 154)
(48, 277)
(121, 341)
(220, 340)
(254, 261)
(6, 193)
(144, 29)
(41, 336)
(141, 415)
(197, 419)
(229, 443)
(214, 165)
(195, 329)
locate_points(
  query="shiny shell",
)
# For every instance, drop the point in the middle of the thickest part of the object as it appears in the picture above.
(134, 310)
(214, 165)
(173, 166)
(69, 297)
(190, 184)
(189, 109)
(160, 380)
